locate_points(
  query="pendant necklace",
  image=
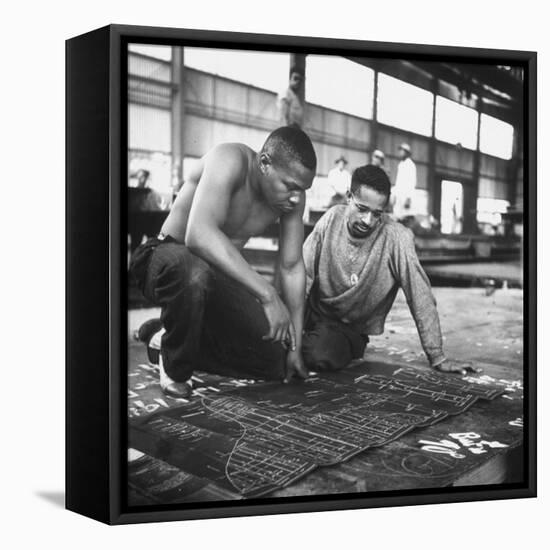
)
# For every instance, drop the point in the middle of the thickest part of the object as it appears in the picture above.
(352, 258)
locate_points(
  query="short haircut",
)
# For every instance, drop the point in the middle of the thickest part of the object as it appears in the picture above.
(290, 143)
(296, 69)
(371, 176)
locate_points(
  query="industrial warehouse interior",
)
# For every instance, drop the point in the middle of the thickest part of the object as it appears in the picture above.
(449, 138)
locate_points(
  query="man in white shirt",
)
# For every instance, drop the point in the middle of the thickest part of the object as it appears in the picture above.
(405, 184)
(339, 179)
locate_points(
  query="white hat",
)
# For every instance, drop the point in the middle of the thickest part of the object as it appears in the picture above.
(405, 147)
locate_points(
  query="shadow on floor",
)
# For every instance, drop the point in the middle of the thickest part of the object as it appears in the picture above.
(54, 497)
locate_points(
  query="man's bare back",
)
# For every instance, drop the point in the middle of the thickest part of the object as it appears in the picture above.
(248, 213)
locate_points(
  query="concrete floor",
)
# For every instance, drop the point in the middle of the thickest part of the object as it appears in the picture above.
(487, 330)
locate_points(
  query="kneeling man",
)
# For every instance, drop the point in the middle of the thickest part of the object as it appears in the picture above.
(218, 314)
(356, 260)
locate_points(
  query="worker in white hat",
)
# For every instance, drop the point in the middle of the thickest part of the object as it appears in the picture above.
(339, 179)
(405, 184)
(378, 158)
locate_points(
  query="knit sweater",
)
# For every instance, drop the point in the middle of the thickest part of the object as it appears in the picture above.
(355, 280)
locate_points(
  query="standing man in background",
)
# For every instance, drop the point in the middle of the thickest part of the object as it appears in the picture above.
(405, 184)
(149, 199)
(142, 200)
(339, 179)
(378, 158)
(290, 103)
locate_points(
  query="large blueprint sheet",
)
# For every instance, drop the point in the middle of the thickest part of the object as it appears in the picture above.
(256, 439)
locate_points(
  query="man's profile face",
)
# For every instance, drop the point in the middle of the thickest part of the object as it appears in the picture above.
(283, 184)
(341, 165)
(403, 154)
(295, 81)
(364, 211)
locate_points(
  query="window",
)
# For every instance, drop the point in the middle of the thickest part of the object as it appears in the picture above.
(404, 106)
(455, 123)
(452, 207)
(496, 137)
(149, 128)
(489, 215)
(160, 52)
(340, 84)
(262, 69)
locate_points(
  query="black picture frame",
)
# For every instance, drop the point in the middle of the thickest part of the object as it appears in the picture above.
(96, 218)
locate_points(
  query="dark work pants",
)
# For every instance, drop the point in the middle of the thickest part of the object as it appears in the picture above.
(212, 322)
(329, 344)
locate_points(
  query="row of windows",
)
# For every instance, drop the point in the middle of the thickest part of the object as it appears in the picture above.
(343, 85)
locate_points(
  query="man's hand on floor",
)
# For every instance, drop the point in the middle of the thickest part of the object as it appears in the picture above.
(457, 367)
(295, 366)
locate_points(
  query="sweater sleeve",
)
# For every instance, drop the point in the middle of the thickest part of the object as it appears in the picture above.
(420, 299)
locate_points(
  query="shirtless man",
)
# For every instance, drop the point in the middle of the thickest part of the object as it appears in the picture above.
(220, 315)
(291, 102)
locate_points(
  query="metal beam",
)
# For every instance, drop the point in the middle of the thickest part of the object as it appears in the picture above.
(177, 118)
(374, 124)
(470, 199)
(463, 81)
(513, 166)
(298, 60)
(492, 76)
(434, 188)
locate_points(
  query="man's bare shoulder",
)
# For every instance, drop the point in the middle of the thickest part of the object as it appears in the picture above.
(231, 157)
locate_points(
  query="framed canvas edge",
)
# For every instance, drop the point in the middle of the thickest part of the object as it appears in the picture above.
(119, 513)
(214, 38)
(530, 269)
(87, 196)
(324, 504)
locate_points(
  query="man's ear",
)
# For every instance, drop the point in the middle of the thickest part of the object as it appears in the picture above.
(265, 162)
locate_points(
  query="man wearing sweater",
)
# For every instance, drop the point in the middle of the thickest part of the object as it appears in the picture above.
(356, 260)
